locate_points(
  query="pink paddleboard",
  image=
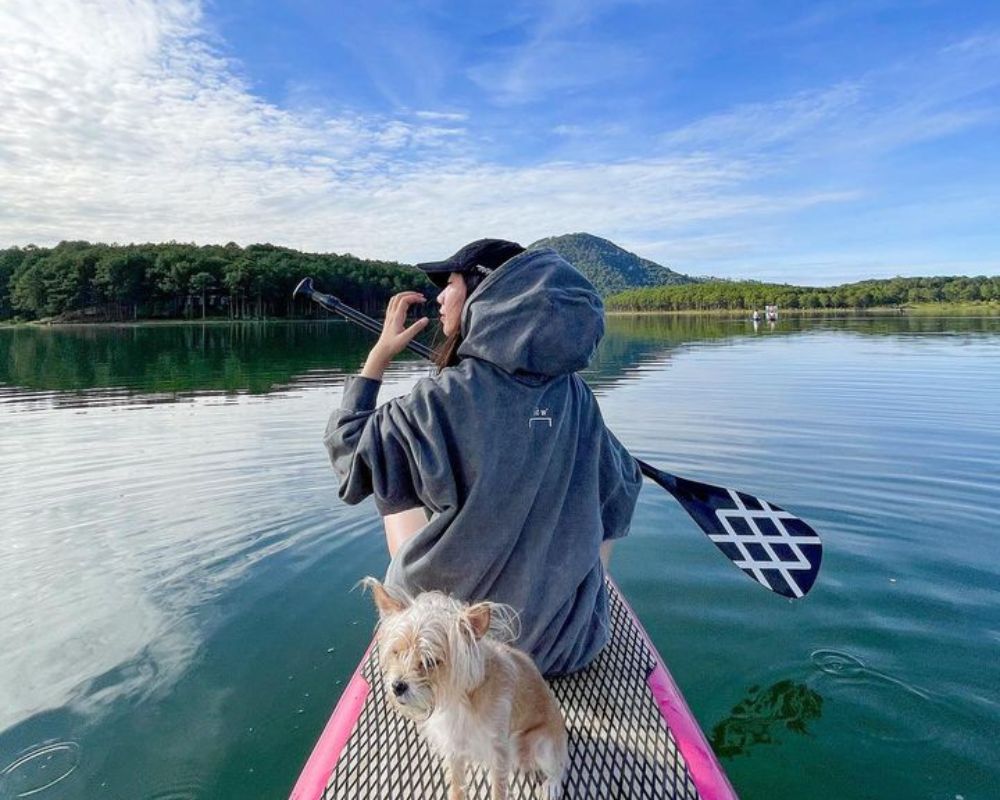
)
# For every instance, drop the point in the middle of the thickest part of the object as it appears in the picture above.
(631, 735)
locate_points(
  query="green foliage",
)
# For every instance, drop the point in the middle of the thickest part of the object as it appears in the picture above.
(748, 295)
(10, 260)
(51, 281)
(79, 280)
(606, 265)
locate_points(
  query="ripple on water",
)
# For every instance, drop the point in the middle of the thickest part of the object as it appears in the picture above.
(880, 706)
(189, 790)
(39, 768)
(835, 662)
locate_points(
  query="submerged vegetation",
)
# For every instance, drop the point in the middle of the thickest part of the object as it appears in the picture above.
(749, 295)
(80, 281)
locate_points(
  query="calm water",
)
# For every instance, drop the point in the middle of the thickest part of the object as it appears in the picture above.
(176, 613)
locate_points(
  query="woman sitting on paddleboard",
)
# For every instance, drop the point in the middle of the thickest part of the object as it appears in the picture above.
(505, 447)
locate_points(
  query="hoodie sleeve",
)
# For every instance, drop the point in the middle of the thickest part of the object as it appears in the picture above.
(621, 480)
(386, 451)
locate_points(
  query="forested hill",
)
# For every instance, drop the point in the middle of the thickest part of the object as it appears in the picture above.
(747, 295)
(83, 281)
(79, 280)
(609, 267)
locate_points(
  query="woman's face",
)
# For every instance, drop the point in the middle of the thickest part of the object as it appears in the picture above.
(451, 300)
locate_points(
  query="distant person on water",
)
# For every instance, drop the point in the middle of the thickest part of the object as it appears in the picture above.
(496, 477)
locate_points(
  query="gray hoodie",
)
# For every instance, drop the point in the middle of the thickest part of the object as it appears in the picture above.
(509, 453)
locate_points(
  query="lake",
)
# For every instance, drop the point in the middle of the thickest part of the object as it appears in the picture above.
(177, 616)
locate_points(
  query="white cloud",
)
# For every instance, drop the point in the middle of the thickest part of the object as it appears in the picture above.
(123, 123)
(446, 116)
(753, 126)
(923, 98)
(543, 70)
(127, 126)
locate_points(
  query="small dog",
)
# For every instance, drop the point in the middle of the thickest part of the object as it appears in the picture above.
(475, 698)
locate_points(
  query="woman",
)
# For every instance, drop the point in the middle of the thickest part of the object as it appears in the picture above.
(505, 447)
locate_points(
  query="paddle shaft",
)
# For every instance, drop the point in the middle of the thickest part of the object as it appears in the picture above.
(334, 304)
(700, 500)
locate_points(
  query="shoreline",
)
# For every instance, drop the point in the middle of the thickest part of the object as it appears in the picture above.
(982, 309)
(986, 309)
(166, 323)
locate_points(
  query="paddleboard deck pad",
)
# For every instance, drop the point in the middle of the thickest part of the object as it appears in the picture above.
(631, 735)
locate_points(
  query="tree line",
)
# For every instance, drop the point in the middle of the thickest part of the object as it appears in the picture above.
(84, 281)
(747, 295)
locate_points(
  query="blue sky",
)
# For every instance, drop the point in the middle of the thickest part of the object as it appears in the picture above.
(813, 143)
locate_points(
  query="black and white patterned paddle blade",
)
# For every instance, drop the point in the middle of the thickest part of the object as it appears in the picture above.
(771, 545)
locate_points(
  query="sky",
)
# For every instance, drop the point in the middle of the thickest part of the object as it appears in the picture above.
(813, 143)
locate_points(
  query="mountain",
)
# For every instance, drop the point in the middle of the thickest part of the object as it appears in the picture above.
(609, 267)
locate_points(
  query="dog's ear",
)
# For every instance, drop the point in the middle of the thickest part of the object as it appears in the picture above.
(478, 617)
(385, 601)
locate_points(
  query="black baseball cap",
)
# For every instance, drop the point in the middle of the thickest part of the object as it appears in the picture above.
(479, 257)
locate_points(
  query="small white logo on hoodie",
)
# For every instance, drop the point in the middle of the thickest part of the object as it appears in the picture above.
(541, 417)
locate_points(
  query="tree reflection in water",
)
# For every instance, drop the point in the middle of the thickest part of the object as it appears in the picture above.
(763, 714)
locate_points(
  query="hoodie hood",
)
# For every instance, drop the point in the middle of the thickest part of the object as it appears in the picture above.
(535, 317)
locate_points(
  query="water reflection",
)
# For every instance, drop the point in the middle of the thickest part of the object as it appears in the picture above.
(107, 365)
(176, 580)
(119, 528)
(150, 364)
(761, 717)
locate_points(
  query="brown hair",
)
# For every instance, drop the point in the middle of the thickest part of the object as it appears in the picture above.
(446, 355)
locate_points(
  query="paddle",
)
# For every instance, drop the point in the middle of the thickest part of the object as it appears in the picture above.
(775, 548)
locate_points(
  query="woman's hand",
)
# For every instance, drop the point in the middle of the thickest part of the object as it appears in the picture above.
(395, 335)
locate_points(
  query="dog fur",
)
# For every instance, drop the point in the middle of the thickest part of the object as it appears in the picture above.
(475, 698)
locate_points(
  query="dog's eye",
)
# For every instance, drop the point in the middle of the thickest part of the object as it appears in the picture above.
(431, 663)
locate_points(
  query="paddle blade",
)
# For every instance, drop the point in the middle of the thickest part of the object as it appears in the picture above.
(775, 548)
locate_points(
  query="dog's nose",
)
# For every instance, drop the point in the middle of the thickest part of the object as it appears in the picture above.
(399, 688)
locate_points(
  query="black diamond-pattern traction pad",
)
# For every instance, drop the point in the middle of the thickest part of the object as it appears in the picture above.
(619, 743)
